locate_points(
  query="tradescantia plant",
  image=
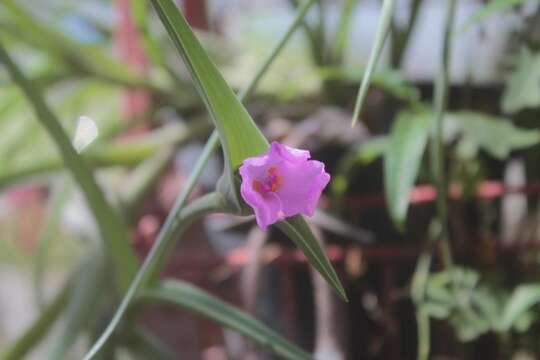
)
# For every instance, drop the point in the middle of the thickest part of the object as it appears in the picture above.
(241, 140)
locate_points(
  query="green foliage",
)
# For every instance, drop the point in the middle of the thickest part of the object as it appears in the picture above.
(497, 136)
(111, 227)
(239, 135)
(382, 32)
(402, 160)
(474, 309)
(490, 8)
(229, 115)
(199, 302)
(522, 89)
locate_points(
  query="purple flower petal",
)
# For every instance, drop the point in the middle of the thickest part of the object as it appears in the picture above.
(282, 183)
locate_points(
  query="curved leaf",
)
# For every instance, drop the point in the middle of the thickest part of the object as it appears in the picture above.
(200, 302)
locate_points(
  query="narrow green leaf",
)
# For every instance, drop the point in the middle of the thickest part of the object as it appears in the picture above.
(89, 285)
(299, 232)
(489, 9)
(61, 191)
(194, 299)
(402, 160)
(343, 29)
(239, 135)
(382, 31)
(111, 227)
(178, 219)
(39, 328)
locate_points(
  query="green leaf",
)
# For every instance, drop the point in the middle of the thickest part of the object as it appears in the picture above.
(522, 89)
(521, 300)
(58, 196)
(402, 160)
(194, 299)
(39, 328)
(111, 227)
(89, 285)
(239, 135)
(177, 221)
(382, 31)
(487, 10)
(496, 136)
(297, 229)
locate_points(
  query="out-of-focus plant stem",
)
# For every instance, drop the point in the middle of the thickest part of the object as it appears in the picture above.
(437, 145)
(111, 154)
(112, 230)
(60, 193)
(39, 328)
(343, 29)
(400, 38)
(177, 221)
(441, 233)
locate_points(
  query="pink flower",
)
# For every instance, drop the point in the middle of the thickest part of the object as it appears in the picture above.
(282, 183)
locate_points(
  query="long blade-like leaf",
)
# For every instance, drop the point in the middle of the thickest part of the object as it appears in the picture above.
(402, 160)
(299, 232)
(111, 227)
(239, 135)
(382, 32)
(198, 301)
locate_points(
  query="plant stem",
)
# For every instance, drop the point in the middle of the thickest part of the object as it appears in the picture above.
(39, 328)
(401, 38)
(440, 234)
(437, 146)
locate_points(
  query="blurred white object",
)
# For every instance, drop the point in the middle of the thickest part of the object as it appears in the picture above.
(514, 206)
(85, 133)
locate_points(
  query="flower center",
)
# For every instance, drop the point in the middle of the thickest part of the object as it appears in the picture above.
(271, 183)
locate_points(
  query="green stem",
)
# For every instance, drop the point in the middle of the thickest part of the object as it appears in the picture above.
(112, 229)
(109, 154)
(400, 38)
(382, 31)
(301, 13)
(422, 321)
(343, 29)
(421, 274)
(39, 328)
(437, 146)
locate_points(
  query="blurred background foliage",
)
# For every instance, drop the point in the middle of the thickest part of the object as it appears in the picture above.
(113, 62)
